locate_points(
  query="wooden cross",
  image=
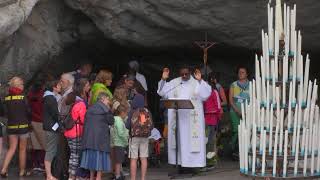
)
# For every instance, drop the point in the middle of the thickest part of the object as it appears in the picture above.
(205, 45)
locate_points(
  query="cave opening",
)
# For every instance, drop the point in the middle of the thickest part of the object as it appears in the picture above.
(104, 53)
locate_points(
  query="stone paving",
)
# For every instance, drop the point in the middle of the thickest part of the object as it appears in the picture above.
(225, 170)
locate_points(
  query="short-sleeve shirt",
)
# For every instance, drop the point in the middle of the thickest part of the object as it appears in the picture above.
(240, 93)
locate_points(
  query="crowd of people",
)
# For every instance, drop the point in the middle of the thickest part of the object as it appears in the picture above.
(77, 118)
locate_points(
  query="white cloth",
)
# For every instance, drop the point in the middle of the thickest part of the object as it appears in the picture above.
(155, 134)
(142, 80)
(61, 101)
(191, 136)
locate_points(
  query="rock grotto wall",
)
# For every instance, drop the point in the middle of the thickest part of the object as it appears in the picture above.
(156, 23)
(34, 32)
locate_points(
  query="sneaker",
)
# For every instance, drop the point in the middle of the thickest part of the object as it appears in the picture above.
(125, 173)
(235, 156)
(210, 155)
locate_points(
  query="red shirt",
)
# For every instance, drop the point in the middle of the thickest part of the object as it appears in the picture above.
(212, 109)
(36, 105)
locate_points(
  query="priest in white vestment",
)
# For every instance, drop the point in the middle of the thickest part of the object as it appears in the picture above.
(191, 136)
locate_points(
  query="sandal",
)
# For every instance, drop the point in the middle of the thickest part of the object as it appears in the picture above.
(4, 175)
(24, 174)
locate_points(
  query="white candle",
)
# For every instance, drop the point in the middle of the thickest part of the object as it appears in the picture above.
(253, 103)
(264, 94)
(273, 82)
(269, 18)
(243, 116)
(263, 43)
(262, 127)
(268, 93)
(283, 93)
(263, 70)
(271, 129)
(267, 62)
(258, 85)
(309, 94)
(294, 45)
(293, 87)
(303, 144)
(313, 149)
(246, 144)
(263, 153)
(276, 41)
(285, 19)
(275, 146)
(310, 141)
(294, 17)
(294, 130)
(247, 107)
(285, 154)
(276, 68)
(299, 57)
(257, 67)
(305, 161)
(297, 144)
(240, 134)
(281, 131)
(271, 33)
(288, 30)
(309, 121)
(262, 119)
(318, 145)
(254, 139)
(318, 126)
(277, 95)
(278, 18)
(314, 92)
(300, 93)
(306, 78)
(289, 107)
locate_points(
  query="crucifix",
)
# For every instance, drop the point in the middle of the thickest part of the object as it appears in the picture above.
(205, 45)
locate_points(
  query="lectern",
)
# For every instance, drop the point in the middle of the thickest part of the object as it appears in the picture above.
(177, 104)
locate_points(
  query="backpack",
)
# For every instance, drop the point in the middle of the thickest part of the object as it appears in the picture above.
(60, 163)
(141, 123)
(69, 122)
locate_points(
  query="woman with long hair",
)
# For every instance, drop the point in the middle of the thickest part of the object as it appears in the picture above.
(212, 114)
(74, 135)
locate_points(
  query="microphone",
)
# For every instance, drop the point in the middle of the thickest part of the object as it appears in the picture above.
(173, 88)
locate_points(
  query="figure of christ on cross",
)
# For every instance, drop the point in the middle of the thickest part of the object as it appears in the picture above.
(205, 45)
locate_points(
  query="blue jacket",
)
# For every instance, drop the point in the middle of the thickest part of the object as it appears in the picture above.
(96, 133)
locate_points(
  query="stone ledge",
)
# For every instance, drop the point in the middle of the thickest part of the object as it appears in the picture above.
(4, 3)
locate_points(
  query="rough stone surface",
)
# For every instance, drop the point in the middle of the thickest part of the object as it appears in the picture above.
(33, 32)
(12, 14)
(29, 41)
(156, 23)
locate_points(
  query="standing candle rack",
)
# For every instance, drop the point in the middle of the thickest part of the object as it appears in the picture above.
(279, 129)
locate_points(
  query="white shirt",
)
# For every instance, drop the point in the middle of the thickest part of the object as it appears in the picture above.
(142, 81)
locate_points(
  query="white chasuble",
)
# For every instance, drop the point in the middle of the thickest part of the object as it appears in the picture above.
(191, 130)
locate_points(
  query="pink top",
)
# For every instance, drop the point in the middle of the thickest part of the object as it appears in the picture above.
(212, 108)
(78, 112)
